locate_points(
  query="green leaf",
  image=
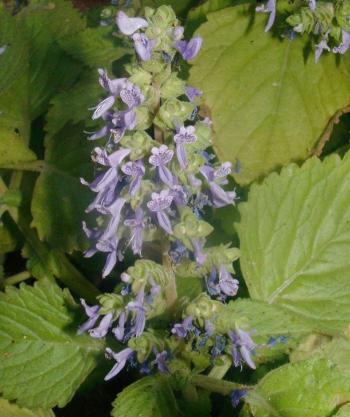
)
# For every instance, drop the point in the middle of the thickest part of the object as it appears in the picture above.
(13, 150)
(59, 199)
(8, 409)
(295, 240)
(310, 388)
(148, 397)
(43, 361)
(71, 106)
(343, 411)
(7, 240)
(265, 95)
(179, 6)
(94, 47)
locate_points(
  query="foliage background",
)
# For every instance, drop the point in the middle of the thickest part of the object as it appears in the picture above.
(272, 109)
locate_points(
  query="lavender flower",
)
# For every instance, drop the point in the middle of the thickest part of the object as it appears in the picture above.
(242, 348)
(199, 255)
(312, 4)
(220, 197)
(181, 329)
(137, 306)
(159, 203)
(344, 45)
(143, 46)
(189, 49)
(185, 135)
(111, 247)
(136, 224)
(92, 313)
(131, 95)
(270, 7)
(121, 358)
(119, 331)
(136, 170)
(237, 395)
(320, 47)
(160, 361)
(227, 284)
(101, 331)
(129, 25)
(160, 158)
(178, 33)
(192, 93)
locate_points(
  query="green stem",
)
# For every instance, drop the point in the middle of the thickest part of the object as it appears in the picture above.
(216, 385)
(219, 371)
(36, 166)
(15, 279)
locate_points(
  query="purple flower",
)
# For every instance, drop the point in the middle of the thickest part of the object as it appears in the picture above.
(143, 46)
(179, 195)
(209, 327)
(122, 121)
(320, 47)
(92, 313)
(192, 93)
(160, 158)
(242, 348)
(129, 25)
(159, 203)
(102, 328)
(103, 107)
(136, 170)
(312, 4)
(114, 86)
(185, 135)
(199, 255)
(345, 43)
(181, 329)
(189, 49)
(137, 306)
(120, 329)
(121, 359)
(227, 284)
(136, 224)
(131, 95)
(177, 251)
(270, 7)
(178, 33)
(237, 395)
(219, 346)
(160, 361)
(111, 247)
(220, 197)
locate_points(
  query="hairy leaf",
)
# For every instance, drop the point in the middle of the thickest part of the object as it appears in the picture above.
(148, 397)
(59, 199)
(8, 409)
(43, 361)
(314, 387)
(295, 239)
(266, 95)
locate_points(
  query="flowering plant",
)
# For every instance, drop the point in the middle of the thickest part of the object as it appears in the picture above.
(175, 193)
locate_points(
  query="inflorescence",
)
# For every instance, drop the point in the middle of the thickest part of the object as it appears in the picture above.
(156, 177)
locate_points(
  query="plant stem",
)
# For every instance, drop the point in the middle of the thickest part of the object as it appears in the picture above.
(216, 385)
(15, 279)
(36, 166)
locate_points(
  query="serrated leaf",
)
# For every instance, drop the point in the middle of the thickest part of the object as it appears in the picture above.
(310, 388)
(8, 409)
(43, 361)
(343, 411)
(265, 97)
(94, 47)
(13, 150)
(59, 199)
(71, 106)
(295, 239)
(148, 397)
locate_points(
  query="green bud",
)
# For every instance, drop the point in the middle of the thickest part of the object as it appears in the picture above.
(144, 118)
(144, 271)
(302, 21)
(204, 308)
(155, 65)
(149, 12)
(191, 227)
(173, 112)
(140, 144)
(138, 75)
(107, 13)
(342, 14)
(164, 17)
(324, 15)
(111, 303)
(144, 344)
(162, 76)
(173, 87)
(221, 255)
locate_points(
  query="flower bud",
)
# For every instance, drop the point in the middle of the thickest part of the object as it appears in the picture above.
(173, 112)
(144, 118)
(203, 308)
(140, 144)
(111, 303)
(172, 87)
(163, 18)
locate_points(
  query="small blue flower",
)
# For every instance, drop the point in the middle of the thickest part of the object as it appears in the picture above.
(181, 329)
(192, 93)
(189, 49)
(344, 45)
(270, 7)
(143, 46)
(129, 25)
(242, 348)
(159, 204)
(92, 313)
(135, 170)
(237, 395)
(136, 224)
(102, 329)
(160, 158)
(185, 135)
(121, 358)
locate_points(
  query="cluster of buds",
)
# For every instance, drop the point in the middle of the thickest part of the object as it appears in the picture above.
(155, 179)
(329, 24)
